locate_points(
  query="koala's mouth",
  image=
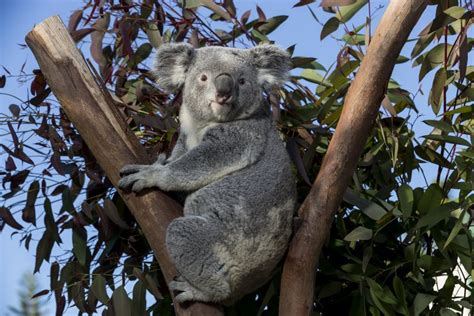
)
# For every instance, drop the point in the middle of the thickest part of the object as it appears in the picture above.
(220, 109)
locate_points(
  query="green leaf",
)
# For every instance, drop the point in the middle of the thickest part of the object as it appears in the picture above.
(79, 244)
(139, 299)
(190, 4)
(329, 27)
(432, 59)
(302, 3)
(455, 231)
(433, 216)
(302, 62)
(437, 89)
(421, 302)
(98, 288)
(154, 35)
(432, 156)
(315, 77)
(441, 125)
(399, 288)
(379, 296)
(405, 197)
(345, 13)
(402, 59)
(141, 53)
(359, 233)
(271, 24)
(431, 199)
(369, 208)
(121, 302)
(449, 139)
(421, 44)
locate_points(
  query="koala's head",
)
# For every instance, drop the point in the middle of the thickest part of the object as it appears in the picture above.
(221, 84)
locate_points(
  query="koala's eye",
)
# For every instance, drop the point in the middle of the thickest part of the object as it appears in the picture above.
(241, 81)
(203, 77)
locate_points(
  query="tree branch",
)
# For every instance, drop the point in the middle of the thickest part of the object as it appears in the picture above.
(360, 110)
(105, 132)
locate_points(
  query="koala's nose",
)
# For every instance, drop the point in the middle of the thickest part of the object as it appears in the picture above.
(224, 85)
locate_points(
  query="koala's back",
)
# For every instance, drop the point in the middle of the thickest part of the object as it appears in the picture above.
(252, 210)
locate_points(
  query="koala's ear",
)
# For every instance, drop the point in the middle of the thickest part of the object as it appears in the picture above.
(273, 65)
(171, 65)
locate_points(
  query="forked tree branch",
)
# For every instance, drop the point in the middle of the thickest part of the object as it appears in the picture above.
(360, 110)
(105, 132)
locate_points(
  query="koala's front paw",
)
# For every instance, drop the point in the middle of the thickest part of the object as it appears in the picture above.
(129, 169)
(138, 181)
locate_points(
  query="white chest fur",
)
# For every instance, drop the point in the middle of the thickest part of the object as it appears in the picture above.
(193, 131)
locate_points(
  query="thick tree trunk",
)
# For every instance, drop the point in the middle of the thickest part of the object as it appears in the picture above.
(360, 110)
(105, 132)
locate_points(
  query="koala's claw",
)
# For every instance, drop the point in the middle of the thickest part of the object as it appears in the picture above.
(130, 169)
(140, 185)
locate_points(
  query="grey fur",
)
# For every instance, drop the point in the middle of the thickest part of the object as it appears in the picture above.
(229, 159)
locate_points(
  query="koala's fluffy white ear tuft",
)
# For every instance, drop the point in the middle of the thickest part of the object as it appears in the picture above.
(171, 65)
(273, 64)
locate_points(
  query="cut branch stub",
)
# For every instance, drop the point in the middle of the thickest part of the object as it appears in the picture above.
(105, 132)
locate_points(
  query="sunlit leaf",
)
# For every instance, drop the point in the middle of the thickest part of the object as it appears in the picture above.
(345, 13)
(271, 24)
(303, 2)
(329, 27)
(331, 3)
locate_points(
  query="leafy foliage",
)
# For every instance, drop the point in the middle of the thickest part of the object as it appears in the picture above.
(394, 248)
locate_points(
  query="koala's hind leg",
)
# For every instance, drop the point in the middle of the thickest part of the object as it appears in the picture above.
(190, 241)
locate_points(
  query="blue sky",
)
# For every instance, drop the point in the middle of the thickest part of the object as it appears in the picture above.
(17, 17)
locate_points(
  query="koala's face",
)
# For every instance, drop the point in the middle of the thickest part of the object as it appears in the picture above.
(221, 84)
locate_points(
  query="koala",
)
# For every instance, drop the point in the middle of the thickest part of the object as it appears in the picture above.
(232, 166)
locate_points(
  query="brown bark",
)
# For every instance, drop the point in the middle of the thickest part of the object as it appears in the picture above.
(105, 132)
(360, 110)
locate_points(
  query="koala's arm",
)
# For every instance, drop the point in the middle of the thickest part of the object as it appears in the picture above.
(222, 151)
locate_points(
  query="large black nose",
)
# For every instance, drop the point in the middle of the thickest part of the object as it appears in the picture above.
(224, 85)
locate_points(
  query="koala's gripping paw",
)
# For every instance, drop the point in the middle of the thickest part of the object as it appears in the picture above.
(188, 292)
(129, 169)
(138, 177)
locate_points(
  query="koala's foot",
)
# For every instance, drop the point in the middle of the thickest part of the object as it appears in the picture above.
(190, 241)
(188, 292)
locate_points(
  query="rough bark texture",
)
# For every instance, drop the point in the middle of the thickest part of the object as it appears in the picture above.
(360, 110)
(105, 132)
